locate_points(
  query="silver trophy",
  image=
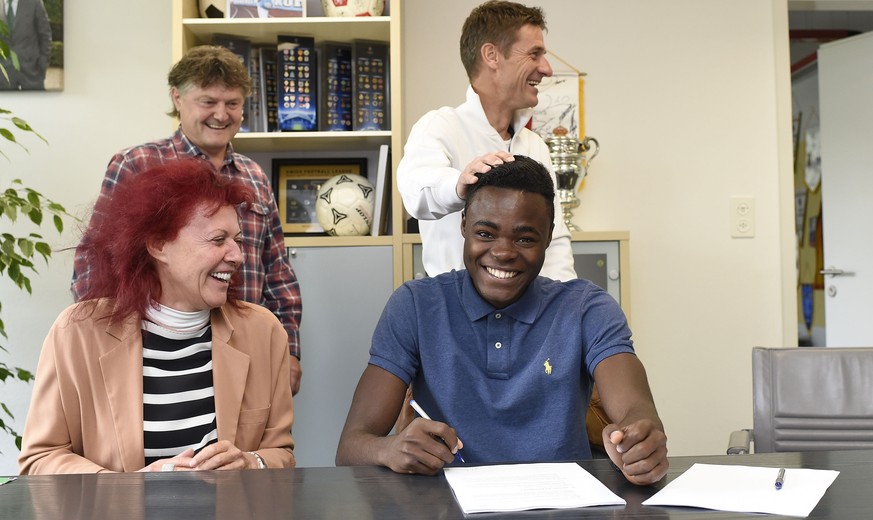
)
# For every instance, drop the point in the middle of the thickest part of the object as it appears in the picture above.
(570, 160)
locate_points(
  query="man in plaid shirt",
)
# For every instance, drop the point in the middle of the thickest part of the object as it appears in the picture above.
(208, 87)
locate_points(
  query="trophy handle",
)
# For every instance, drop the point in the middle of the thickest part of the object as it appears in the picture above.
(586, 146)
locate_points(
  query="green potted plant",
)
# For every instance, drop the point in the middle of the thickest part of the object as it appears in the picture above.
(18, 252)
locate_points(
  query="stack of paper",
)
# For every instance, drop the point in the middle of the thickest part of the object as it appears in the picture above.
(746, 489)
(519, 487)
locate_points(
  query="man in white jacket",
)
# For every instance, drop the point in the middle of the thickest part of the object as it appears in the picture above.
(503, 51)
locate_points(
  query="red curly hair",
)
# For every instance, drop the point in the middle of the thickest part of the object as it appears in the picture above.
(151, 206)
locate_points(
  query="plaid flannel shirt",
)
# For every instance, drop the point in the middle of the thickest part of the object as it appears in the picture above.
(267, 277)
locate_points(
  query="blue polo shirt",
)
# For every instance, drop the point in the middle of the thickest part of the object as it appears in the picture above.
(514, 382)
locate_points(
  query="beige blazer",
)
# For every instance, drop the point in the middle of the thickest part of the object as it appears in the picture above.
(86, 411)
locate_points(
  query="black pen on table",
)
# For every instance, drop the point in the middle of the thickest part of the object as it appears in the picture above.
(424, 415)
(780, 479)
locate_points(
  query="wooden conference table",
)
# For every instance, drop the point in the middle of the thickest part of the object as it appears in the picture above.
(377, 493)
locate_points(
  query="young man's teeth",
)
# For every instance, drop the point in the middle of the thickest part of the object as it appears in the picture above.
(500, 274)
(221, 276)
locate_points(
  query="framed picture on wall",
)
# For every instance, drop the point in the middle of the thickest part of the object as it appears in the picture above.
(34, 32)
(296, 183)
(559, 105)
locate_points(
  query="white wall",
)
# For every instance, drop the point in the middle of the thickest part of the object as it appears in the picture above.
(117, 55)
(684, 97)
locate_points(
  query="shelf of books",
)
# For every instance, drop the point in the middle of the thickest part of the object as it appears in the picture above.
(320, 84)
(304, 83)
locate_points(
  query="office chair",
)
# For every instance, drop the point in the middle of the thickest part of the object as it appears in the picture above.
(808, 399)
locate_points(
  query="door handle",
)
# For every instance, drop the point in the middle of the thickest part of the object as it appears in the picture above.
(833, 271)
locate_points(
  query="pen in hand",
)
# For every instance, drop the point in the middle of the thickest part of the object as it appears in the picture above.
(780, 479)
(424, 415)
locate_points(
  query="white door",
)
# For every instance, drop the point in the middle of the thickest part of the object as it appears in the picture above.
(845, 69)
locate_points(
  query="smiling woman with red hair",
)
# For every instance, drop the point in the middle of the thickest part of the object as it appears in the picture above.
(160, 367)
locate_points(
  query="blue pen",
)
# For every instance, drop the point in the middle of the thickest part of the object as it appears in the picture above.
(424, 415)
(780, 479)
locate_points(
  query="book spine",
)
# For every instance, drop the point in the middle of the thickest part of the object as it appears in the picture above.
(297, 84)
(254, 103)
(270, 89)
(370, 79)
(336, 87)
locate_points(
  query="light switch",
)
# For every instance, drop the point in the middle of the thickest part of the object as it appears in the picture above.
(742, 217)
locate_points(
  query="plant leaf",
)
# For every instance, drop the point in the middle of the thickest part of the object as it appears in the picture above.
(7, 134)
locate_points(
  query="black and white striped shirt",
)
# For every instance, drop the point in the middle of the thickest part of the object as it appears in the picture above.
(178, 392)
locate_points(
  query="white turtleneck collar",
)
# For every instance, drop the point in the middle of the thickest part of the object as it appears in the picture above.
(177, 321)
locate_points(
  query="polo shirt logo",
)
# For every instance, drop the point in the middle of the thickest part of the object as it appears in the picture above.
(548, 367)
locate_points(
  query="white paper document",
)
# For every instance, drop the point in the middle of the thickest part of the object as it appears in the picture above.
(519, 487)
(746, 489)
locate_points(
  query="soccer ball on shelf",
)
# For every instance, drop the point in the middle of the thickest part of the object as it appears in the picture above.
(212, 8)
(353, 7)
(344, 206)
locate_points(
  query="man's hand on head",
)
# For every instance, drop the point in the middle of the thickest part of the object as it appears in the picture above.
(479, 165)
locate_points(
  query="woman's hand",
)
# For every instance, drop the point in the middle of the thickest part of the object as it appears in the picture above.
(223, 455)
(181, 462)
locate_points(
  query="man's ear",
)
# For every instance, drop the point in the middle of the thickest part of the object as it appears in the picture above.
(490, 55)
(463, 222)
(176, 97)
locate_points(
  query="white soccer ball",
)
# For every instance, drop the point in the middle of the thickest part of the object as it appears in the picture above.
(212, 8)
(353, 7)
(345, 204)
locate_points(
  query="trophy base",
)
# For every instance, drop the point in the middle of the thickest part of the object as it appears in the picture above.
(569, 202)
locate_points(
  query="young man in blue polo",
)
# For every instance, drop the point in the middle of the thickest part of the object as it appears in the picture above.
(502, 359)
